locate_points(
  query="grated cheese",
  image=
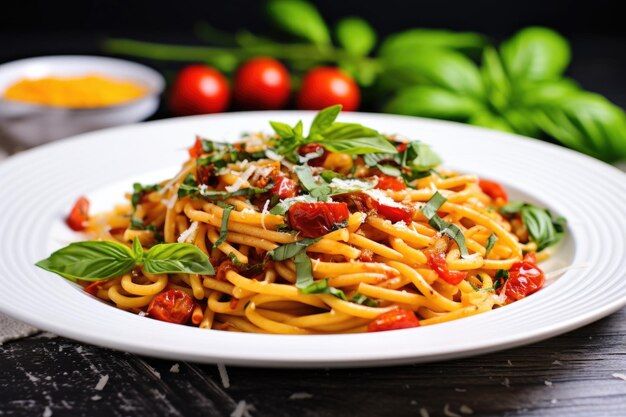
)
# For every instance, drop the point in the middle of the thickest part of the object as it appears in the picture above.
(175, 368)
(264, 212)
(273, 155)
(223, 375)
(619, 376)
(102, 383)
(242, 409)
(189, 234)
(449, 413)
(466, 410)
(548, 383)
(382, 198)
(300, 396)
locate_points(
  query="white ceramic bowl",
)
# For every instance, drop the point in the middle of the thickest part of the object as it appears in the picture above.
(30, 124)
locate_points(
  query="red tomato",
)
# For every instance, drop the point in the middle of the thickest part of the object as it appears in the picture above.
(223, 268)
(437, 262)
(387, 182)
(284, 187)
(317, 219)
(93, 287)
(401, 147)
(172, 306)
(309, 148)
(392, 213)
(525, 278)
(262, 83)
(493, 190)
(326, 86)
(79, 214)
(196, 150)
(199, 89)
(393, 320)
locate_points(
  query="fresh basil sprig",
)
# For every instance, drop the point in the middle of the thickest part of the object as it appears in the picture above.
(544, 228)
(224, 226)
(491, 241)
(430, 211)
(297, 251)
(322, 287)
(100, 260)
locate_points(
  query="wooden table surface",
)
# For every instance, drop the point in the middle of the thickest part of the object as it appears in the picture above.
(582, 373)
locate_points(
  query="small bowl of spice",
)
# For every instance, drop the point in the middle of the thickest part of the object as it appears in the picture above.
(48, 98)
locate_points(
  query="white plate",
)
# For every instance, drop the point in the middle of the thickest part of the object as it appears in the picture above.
(38, 187)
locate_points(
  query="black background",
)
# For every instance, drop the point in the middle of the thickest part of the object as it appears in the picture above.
(595, 28)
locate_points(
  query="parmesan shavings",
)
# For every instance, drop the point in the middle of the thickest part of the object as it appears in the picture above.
(382, 198)
(449, 413)
(175, 368)
(466, 410)
(264, 212)
(619, 376)
(270, 154)
(189, 234)
(300, 396)
(241, 180)
(242, 410)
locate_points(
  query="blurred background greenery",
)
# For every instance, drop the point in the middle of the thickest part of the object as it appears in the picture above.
(517, 84)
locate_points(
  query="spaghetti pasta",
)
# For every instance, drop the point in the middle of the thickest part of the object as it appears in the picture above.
(299, 248)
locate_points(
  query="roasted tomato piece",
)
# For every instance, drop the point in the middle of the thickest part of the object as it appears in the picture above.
(394, 213)
(437, 262)
(393, 320)
(196, 150)
(317, 219)
(310, 148)
(79, 214)
(224, 267)
(387, 182)
(94, 287)
(525, 278)
(493, 190)
(284, 187)
(172, 306)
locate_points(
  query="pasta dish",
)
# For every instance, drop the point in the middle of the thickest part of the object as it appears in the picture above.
(340, 229)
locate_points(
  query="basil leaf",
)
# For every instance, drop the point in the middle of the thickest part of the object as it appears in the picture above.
(172, 258)
(137, 250)
(139, 190)
(224, 227)
(586, 122)
(299, 18)
(292, 249)
(389, 170)
(489, 120)
(500, 278)
(324, 119)
(433, 101)
(544, 228)
(412, 40)
(328, 175)
(491, 241)
(512, 207)
(419, 156)
(351, 185)
(535, 53)
(283, 130)
(356, 36)
(360, 146)
(319, 191)
(341, 130)
(90, 260)
(361, 299)
(188, 186)
(497, 85)
(430, 211)
(283, 206)
(322, 287)
(304, 270)
(442, 68)
(531, 93)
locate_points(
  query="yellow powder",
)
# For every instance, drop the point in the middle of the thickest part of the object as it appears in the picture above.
(77, 92)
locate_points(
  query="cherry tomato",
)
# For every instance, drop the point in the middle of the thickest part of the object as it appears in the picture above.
(199, 89)
(262, 83)
(393, 213)
(79, 215)
(172, 306)
(223, 268)
(393, 320)
(284, 187)
(525, 278)
(401, 147)
(94, 287)
(317, 219)
(196, 150)
(493, 190)
(437, 262)
(326, 86)
(387, 182)
(310, 148)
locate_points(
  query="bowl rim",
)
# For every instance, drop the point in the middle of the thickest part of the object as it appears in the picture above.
(152, 91)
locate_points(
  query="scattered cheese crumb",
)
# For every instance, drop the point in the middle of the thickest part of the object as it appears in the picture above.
(548, 383)
(31, 377)
(142, 313)
(79, 349)
(554, 401)
(424, 412)
(270, 154)
(557, 362)
(619, 376)
(47, 412)
(96, 398)
(413, 402)
(300, 396)
(508, 362)
(382, 198)
(102, 382)
(223, 375)
(460, 390)
(466, 410)
(189, 234)
(506, 383)
(175, 368)
(447, 412)
(264, 212)
(242, 410)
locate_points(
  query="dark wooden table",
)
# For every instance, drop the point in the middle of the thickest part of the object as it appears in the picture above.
(581, 373)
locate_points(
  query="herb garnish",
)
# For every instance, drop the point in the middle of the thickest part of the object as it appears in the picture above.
(491, 241)
(297, 250)
(430, 211)
(322, 287)
(544, 228)
(224, 226)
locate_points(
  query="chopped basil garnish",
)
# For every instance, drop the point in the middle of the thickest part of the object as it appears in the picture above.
(322, 287)
(99, 260)
(297, 251)
(544, 228)
(491, 241)
(317, 190)
(283, 206)
(361, 299)
(224, 227)
(304, 270)
(189, 187)
(430, 211)
(290, 250)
